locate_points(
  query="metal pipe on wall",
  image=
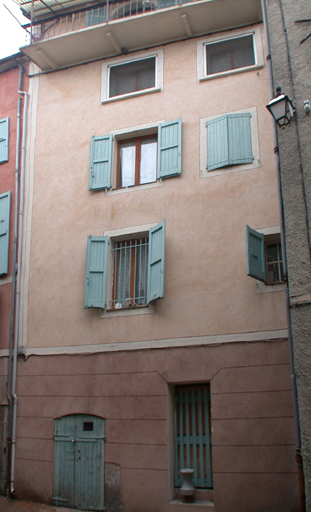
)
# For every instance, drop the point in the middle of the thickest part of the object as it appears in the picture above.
(20, 242)
(16, 194)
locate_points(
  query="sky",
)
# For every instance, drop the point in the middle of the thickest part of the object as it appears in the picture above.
(12, 36)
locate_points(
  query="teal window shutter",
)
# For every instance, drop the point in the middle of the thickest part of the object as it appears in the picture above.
(255, 254)
(4, 140)
(240, 139)
(5, 200)
(96, 271)
(169, 149)
(217, 143)
(229, 141)
(100, 166)
(155, 280)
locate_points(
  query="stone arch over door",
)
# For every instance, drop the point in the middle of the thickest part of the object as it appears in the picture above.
(79, 462)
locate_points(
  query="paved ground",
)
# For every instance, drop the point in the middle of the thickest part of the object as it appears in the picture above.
(8, 505)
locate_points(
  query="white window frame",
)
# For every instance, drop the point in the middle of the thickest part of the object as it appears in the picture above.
(225, 36)
(204, 173)
(271, 234)
(105, 79)
(118, 235)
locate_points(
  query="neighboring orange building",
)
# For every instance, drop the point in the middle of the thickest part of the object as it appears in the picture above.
(145, 346)
(12, 78)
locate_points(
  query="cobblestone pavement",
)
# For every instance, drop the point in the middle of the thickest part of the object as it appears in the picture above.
(9, 505)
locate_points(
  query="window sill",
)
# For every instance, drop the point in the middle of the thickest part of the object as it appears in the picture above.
(269, 288)
(131, 95)
(133, 311)
(230, 72)
(198, 503)
(228, 170)
(115, 191)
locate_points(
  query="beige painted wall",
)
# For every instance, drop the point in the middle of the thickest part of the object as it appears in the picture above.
(207, 291)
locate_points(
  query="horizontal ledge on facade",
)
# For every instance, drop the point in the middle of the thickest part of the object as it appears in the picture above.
(230, 72)
(199, 341)
(198, 503)
(300, 300)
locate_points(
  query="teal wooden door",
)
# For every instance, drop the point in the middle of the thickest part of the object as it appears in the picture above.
(79, 462)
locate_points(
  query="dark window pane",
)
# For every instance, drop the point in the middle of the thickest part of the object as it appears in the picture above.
(131, 77)
(88, 426)
(274, 263)
(231, 54)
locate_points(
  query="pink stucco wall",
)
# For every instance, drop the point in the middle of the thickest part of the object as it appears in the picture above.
(206, 287)
(253, 445)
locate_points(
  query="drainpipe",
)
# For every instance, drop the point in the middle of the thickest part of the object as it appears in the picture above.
(20, 243)
(289, 324)
(18, 130)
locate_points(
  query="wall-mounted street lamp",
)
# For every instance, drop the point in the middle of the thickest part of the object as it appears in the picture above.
(281, 108)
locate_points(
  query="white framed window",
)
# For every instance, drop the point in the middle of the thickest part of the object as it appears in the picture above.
(132, 76)
(125, 270)
(229, 143)
(221, 55)
(264, 258)
(134, 157)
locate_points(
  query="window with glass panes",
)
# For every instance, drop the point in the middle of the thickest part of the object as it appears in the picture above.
(130, 270)
(137, 161)
(132, 76)
(274, 264)
(193, 434)
(229, 54)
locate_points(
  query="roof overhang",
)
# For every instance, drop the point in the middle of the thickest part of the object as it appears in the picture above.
(142, 31)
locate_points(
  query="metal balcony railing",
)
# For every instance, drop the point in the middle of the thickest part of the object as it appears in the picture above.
(110, 11)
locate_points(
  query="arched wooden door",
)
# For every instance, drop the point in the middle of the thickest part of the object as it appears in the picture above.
(79, 462)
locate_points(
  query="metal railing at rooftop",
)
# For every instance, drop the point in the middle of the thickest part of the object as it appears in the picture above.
(103, 13)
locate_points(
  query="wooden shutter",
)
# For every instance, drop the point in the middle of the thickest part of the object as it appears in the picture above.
(240, 139)
(255, 254)
(155, 280)
(96, 270)
(169, 149)
(4, 232)
(100, 166)
(217, 143)
(193, 434)
(4, 140)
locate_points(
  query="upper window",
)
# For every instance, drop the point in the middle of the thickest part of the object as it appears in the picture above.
(264, 256)
(218, 56)
(229, 143)
(229, 54)
(4, 140)
(139, 160)
(132, 76)
(131, 272)
(128, 76)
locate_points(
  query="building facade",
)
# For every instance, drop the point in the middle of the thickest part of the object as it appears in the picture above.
(290, 42)
(144, 345)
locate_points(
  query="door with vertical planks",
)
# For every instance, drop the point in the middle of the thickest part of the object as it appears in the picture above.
(79, 462)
